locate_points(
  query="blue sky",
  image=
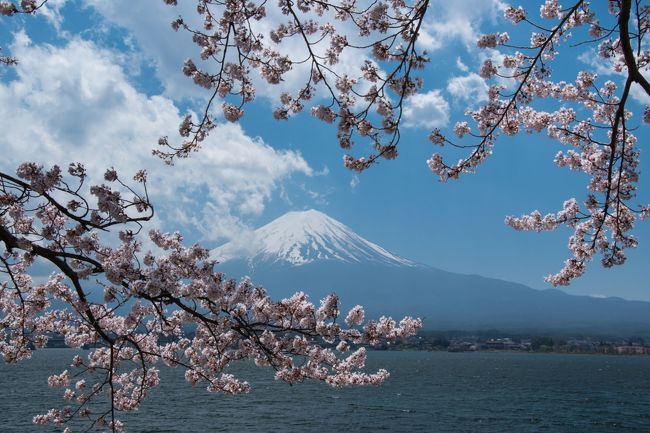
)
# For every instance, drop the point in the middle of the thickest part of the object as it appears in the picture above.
(100, 82)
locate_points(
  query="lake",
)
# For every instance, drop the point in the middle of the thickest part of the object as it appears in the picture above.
(440, 392)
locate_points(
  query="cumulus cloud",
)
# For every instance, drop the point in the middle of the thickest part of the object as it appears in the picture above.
(52, 13)
(640, 95)
(75, 103)
(468, 88)
(149, 25)
(459, 20)
(426, 110)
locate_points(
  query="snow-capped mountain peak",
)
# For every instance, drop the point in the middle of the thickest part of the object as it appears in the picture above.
(298, 238)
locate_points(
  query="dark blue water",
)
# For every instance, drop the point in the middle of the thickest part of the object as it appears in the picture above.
(427, 392)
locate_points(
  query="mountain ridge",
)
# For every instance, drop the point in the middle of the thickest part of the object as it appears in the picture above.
(303, 237)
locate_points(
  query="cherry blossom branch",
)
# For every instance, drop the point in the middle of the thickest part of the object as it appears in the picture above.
(149, 304)
(605, 228)
(626, 46)
(381, 27)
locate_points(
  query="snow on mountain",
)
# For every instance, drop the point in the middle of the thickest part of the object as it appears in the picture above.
(298, 238)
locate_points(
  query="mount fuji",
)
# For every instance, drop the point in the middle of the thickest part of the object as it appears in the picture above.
(300, 238)
(312, 252)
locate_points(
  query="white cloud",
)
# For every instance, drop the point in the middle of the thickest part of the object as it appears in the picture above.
(640, 95)
(468, 88)
(427, 110)
(460, 65)
(149, 24)
(598, 64)
(74, 103)
(318, 198)
(448, 21)
(52, 12)
(354, 182)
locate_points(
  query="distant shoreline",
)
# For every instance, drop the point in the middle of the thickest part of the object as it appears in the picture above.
(504, 345)
(440, 341)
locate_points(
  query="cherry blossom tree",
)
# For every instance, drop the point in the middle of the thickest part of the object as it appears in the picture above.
(591, 117)
(139, 309)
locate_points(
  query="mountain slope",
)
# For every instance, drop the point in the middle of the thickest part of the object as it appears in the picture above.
(310, 252)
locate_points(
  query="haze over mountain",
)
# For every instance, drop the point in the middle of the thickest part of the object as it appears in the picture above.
(311, 252)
